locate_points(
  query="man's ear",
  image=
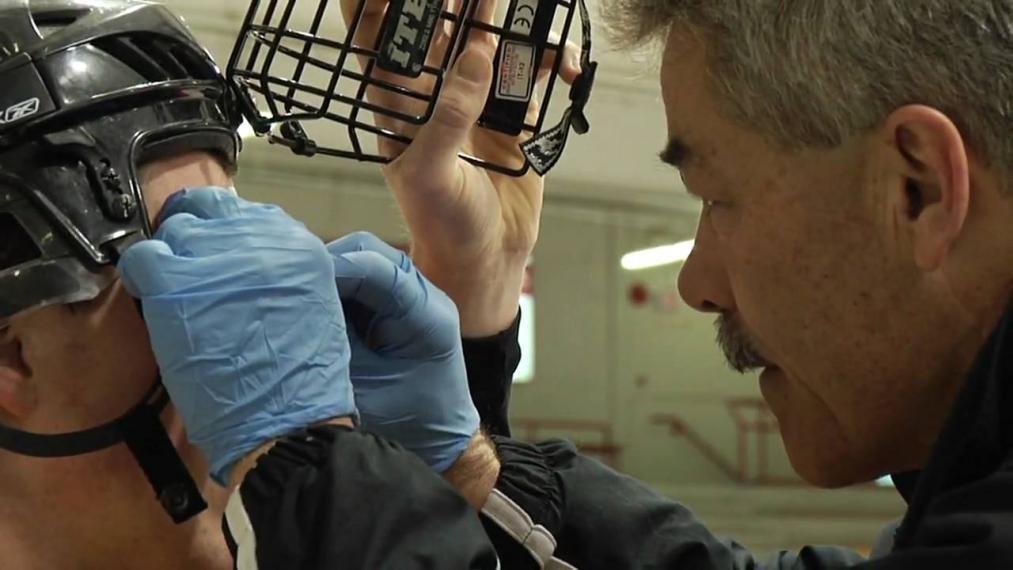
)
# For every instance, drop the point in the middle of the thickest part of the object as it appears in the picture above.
(933, 180)
(18, 397)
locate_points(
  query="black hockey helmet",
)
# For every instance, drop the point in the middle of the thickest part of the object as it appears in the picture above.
(92, 90)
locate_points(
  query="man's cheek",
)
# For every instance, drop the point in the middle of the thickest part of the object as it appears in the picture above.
(768, 295)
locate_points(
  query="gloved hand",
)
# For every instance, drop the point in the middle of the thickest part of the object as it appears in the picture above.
(245, 322)
(408, 370)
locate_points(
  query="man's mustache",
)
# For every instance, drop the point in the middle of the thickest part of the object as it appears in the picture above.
(739, 348)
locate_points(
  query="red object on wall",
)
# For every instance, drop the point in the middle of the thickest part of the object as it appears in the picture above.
(639, 294)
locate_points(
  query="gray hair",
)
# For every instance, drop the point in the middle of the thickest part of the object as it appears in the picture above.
(812, 73)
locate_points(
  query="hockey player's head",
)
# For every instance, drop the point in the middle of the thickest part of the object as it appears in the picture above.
(92, 91)
(106, 108)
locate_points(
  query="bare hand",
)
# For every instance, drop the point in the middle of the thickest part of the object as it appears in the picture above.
(472, 230)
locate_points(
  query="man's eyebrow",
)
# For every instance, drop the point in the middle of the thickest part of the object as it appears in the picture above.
(676, 153)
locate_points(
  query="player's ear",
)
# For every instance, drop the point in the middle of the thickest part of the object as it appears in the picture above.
(18, 396)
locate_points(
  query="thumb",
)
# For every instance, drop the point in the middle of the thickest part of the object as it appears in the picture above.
(142, 268)
(382, 300)
(462, 99)
(206, 203)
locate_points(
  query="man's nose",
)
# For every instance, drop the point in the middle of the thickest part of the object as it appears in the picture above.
(703, 281)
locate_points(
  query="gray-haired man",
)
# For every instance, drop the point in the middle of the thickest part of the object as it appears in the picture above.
(853, 160)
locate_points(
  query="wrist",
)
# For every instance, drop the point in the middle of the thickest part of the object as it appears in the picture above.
(487, 294)
(475, 473)
(249, 462)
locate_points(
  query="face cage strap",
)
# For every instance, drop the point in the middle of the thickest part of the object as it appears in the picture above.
(544, 150)
(142, 431)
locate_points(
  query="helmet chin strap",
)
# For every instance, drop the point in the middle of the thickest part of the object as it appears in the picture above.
(145, 436)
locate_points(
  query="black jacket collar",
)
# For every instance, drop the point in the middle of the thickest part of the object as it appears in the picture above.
(975, 440)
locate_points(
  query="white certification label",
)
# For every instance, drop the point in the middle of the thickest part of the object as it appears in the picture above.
(516, 72)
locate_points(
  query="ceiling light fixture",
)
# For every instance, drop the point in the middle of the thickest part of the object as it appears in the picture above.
(657, 256)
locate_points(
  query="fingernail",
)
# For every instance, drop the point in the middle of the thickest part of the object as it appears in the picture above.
(472, 66)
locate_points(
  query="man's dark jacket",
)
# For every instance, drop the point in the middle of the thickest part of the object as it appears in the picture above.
(333, 498)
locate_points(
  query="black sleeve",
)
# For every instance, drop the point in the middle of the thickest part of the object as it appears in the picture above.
(331, 497)
(491, 365)
(614, 521)
(551, 502)
(553, 505)
(599, 519)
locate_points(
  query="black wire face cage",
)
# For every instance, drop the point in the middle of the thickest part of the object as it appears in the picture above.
(376, 69)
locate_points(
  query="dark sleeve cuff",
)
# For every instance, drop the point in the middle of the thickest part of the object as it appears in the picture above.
(491, 364)
(527, 478)
(523, 514)
(331, 497)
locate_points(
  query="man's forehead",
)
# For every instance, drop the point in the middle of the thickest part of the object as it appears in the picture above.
(683, 74)
(682, 48)
(682, 144)
(688, 105)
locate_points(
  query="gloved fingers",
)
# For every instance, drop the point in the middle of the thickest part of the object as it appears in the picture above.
(355, 341)
(260, 227)
(182, 232)
(365, 241)
(389, 307)
(377, 283)
(207, 203)
(142, 268)
(395, 310)
(358, 322)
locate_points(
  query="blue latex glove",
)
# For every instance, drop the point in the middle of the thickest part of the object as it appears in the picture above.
(245, 322)
(408, 370)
